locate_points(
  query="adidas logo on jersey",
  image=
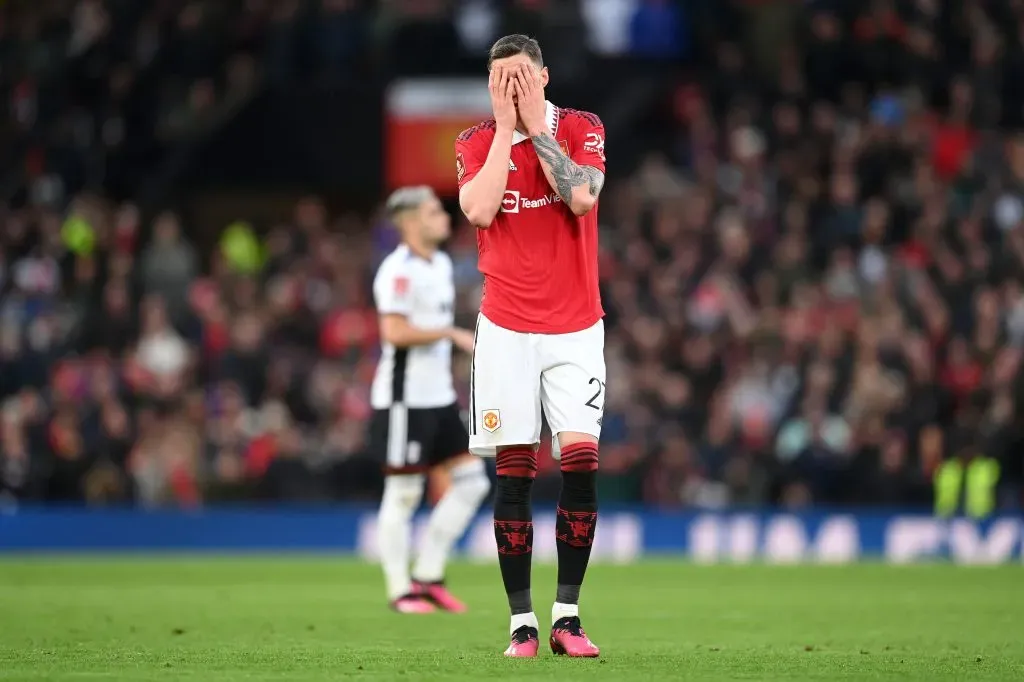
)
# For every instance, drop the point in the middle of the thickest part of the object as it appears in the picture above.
(511, 166)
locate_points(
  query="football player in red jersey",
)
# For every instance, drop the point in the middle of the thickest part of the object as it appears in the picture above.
(529, 180)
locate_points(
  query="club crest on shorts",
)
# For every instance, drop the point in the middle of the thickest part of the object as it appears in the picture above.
(491, 420)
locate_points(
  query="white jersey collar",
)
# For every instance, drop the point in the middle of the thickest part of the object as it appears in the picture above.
(550, 113)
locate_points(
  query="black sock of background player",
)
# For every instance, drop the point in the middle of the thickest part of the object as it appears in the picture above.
(513, 525)
(576, 519)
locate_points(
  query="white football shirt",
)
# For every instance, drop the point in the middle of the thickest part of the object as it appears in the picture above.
(424, 292)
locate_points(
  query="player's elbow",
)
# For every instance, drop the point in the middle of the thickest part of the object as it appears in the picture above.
(394, 330)
(392, 338)
(396, 339)
(479, 212)
(581, 206)
(479, 217)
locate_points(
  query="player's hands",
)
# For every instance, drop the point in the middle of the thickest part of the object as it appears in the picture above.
(530, 95)
(500, 83)
(462, 338)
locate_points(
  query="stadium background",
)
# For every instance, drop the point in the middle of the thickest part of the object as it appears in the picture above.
(812, 264)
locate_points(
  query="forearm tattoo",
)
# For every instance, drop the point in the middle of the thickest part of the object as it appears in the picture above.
(565, 172)
(596, 180)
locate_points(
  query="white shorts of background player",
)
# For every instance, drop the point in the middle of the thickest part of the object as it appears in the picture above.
(517, 375)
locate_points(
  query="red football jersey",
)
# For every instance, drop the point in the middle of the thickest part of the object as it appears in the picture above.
(538, 259)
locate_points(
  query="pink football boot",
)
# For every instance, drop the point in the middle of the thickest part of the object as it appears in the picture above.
(442, 598)
(569, 639)
(525, 643)
(412, 603)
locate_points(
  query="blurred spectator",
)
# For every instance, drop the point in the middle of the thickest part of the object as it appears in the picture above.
(168, 265)
(162, 355)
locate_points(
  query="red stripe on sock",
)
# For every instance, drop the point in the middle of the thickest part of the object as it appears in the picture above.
(585, 454)
(579, 457)
(520, 462)
(578, 447)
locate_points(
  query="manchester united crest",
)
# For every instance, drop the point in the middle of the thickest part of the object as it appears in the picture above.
(491, 420)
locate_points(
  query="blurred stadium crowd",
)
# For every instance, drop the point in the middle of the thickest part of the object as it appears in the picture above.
(814, 286)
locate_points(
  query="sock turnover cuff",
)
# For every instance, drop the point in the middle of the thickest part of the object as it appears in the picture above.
(518, 462)
(581, 457)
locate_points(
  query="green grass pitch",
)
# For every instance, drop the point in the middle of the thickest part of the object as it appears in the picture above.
(318, 619)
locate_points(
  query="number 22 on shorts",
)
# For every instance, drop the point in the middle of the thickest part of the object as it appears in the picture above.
(596, 401)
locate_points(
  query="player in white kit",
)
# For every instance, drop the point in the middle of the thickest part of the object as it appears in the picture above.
(416, 425)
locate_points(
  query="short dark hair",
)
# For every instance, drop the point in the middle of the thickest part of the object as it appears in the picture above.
(510, 46)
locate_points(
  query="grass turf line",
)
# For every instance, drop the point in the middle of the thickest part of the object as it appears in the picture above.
(318, 619)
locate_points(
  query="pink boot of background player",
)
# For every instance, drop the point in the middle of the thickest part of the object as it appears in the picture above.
(412, 603)
(441, 597)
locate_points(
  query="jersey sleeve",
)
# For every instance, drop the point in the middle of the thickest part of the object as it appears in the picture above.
(392, 290)
(469, 157)
(589, 147)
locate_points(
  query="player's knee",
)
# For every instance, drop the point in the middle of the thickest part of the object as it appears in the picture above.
(569, 439)
(402, 496)
(513, 490)
(470, 482)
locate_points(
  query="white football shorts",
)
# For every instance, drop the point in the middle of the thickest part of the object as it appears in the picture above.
(516, 375)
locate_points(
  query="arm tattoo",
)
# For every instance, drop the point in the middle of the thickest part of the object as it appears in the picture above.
(596, 180)
(564, 171)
